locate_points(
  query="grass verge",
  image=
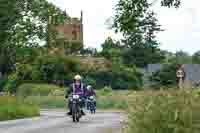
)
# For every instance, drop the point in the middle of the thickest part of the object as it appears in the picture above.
(11, 108)
(164, 112)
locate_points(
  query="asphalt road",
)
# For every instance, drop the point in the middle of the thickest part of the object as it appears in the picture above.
(58, 122)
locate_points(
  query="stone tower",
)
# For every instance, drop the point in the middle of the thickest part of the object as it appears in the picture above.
(72, 29)
(70, 32)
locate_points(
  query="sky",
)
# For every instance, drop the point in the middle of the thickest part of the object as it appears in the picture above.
(182, 26)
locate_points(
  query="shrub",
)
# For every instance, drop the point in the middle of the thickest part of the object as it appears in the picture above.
(164, 112)
(118, 78)
(164, 77)
(55, 68)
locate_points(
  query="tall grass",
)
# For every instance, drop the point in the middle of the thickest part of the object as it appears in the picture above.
(11, 108)
(164, 112)
(108, 99)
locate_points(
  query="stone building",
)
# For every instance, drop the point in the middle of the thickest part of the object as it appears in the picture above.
(72, 29)
(67, 36)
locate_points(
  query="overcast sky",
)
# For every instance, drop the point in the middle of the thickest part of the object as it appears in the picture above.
(182, 26)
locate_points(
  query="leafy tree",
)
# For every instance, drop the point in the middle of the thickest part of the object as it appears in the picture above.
(196, 57)
(112, 50)
(183, 58)
(141, 55)
(171, 3)
(31, 27)
(139, 26)
(119, 78)
(164, 77)
(89, 51)
(7, 45)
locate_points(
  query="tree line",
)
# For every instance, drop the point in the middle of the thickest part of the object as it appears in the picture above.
(24, 59)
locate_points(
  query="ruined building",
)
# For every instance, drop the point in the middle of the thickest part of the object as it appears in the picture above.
(72, 29)
(68, 36)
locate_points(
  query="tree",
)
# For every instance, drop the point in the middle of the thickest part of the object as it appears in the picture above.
(89, 51)
(7, 45)
(164, 77)
(183, 58)
(31, 26)
(112, 50)
(139, 27)
(24, 25)
(171, 3)
(196, 57)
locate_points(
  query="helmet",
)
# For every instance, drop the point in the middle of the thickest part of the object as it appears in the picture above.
(77, 77)
(89, 87)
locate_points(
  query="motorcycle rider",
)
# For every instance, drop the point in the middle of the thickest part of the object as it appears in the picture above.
(77, 87)
(90, 92)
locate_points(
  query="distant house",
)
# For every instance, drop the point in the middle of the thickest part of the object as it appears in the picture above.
(192, 71)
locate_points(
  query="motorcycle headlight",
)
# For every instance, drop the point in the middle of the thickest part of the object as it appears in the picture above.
(75, 96)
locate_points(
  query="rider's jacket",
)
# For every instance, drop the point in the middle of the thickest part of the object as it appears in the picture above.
(79, 90)
(90, 93)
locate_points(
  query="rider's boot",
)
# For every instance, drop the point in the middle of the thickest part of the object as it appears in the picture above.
(70, 112)
(82, 112)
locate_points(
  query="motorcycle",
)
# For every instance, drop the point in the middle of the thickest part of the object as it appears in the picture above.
(76, 109)
(91, 104)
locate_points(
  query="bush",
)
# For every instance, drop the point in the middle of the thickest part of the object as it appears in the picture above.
(106, 91)
(11, 108)
(2, 84)
(119, 78)
(164, 77)
(57, 68)
(164, 112)
(37, 89)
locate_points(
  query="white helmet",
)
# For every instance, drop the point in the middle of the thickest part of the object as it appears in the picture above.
(89, 87)
(77, 77)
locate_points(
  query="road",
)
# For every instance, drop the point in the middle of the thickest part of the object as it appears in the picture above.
(58, 122)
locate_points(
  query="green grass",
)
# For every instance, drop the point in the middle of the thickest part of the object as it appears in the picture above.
(50, 96)
(39, 90)
(47, 101)
(11, 108)
(113, 100)
(164, 112)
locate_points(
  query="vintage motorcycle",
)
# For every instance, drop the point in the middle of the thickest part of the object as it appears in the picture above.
(91, 104)
(76, 109)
